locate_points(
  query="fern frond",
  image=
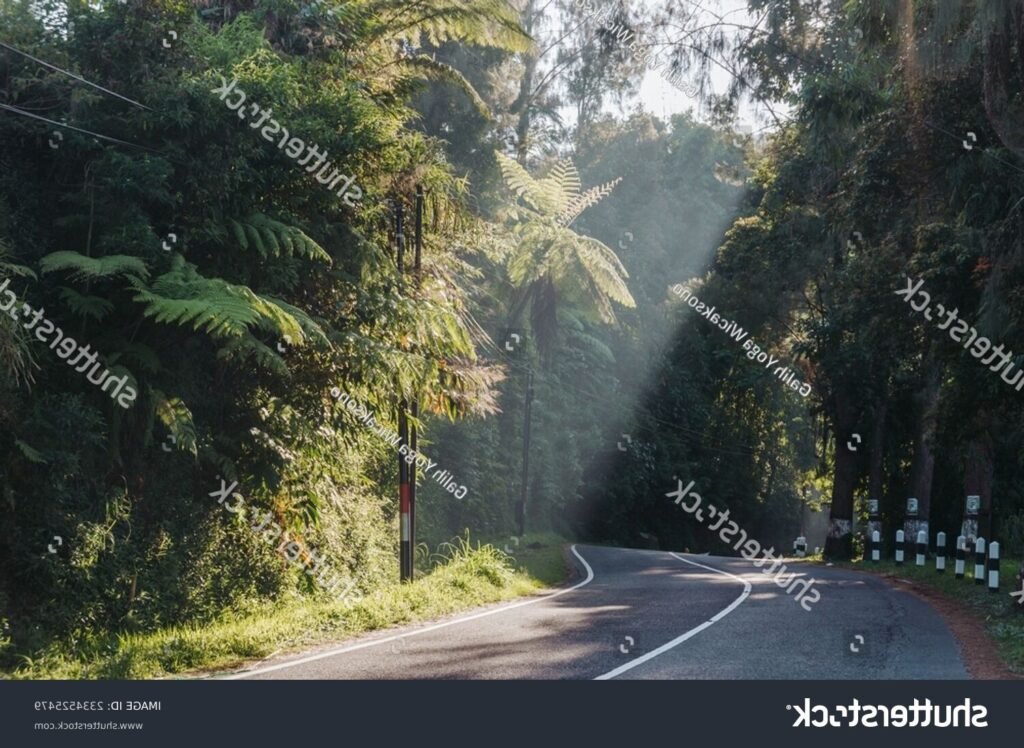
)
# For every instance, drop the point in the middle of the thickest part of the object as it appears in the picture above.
(94, 268)
(239, 232)
(21, 271)
(605, 270)
(430, 69)
(562, 185)
(270, 237)
(255, 239)
(250, 349)
(589, 198)
(310, 329)
(11, 268)
(484, 23)
(525, 186)
(176, 416)
(222, 315)
(591, 345)
(224, 310)
(85, 306)
(219, 461)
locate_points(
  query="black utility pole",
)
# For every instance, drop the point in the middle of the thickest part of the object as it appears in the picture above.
(521, 507)
(415, 410)
(404, 492)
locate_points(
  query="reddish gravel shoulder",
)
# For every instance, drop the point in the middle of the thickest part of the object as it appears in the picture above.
(981, 656)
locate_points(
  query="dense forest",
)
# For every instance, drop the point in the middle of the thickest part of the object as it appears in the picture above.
(244, 244)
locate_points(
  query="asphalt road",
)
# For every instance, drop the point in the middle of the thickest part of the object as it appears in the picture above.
(658, 615)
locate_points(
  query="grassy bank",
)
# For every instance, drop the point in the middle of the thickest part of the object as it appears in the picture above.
(463, 576)
(1003, 618)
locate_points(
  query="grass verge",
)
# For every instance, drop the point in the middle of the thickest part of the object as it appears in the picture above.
(465, 576)
(1002, 617)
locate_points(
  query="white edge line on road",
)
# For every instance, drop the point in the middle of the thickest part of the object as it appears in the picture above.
(435, 627)
(692, 632)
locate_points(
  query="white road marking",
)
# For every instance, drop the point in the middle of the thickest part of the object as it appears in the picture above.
(375, 642)
(692, 632)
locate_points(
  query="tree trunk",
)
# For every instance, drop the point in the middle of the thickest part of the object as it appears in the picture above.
(876, 474)
(979, 470)
(922, 468)
(839, 543)
(524, 102)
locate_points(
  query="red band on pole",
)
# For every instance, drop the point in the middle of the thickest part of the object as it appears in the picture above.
(403, 498)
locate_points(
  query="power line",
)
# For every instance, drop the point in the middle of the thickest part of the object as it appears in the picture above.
(73, 75)
(76, 129)
(982, 149)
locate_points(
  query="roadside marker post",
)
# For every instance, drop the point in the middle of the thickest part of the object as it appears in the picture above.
(899, 547)
(940, 553)
(979, 561)
(876, 543)
(922, 547)
(800, 546)
(961, 557)
(993, 567)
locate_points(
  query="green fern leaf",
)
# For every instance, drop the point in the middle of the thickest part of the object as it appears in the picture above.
(562, 185)
(525, 186)
(176, 416)
(249, 349)
(94, 268)
(85, 306)
(239, 233)
(589, 198)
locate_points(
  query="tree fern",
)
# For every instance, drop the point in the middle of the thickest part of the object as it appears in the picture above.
(84, 268)
(223, 310)
(275, 239)
(551, 264)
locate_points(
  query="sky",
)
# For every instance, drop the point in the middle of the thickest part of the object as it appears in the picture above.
(661, 98)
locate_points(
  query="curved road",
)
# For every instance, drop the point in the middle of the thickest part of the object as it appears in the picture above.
(658, 615)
